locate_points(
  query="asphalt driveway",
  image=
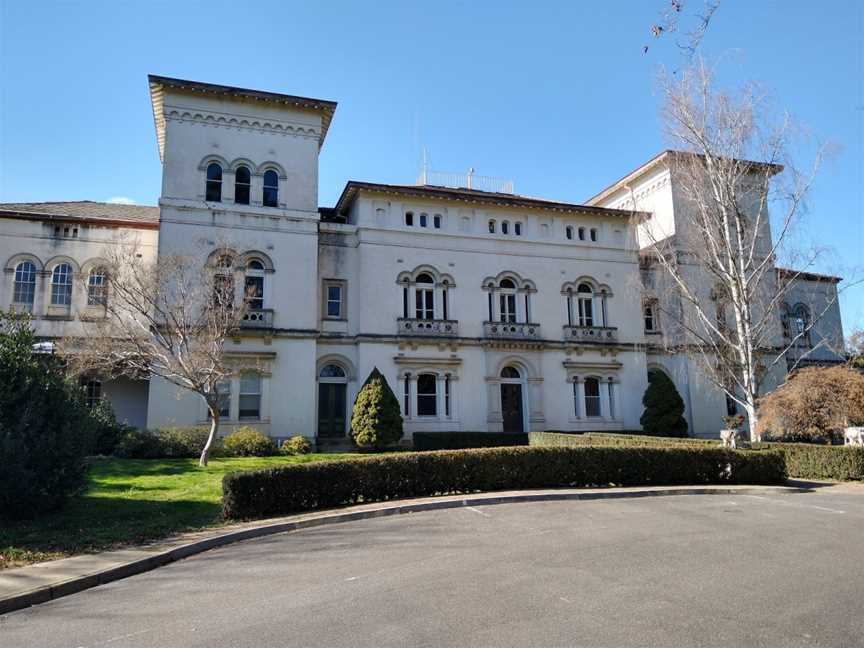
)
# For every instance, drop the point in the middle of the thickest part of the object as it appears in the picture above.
(784, 570)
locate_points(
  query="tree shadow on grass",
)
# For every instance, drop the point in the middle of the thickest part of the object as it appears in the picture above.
(90, 523)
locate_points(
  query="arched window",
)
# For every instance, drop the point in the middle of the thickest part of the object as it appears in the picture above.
(270, 198)
(97, 287)
(505, 227)
(491, 226)
(593, 234)
(331, 371)
(250, 395)
(427, 395)
(242, 185)
(585, 303)
(424, 220)
(213, 191)
(425, 297)
(581, 233)
(510, 372)
(61, 285)
(436, 221)
(507, 300)
(592, 397)
(517, 229)
(92, 392)
(254, 285)
(25, 284)
(801, 322)
(568, 232)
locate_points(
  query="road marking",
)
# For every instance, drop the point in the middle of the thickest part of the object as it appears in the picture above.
(565, 600)
(478, 511)
(810, 506)
(352, 578)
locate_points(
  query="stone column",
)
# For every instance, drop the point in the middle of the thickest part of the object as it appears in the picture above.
(439, 397)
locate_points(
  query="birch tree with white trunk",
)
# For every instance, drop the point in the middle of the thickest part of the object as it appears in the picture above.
(168, 318)
(735, 180)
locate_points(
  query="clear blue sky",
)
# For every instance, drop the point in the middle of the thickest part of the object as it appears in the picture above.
(554, 95)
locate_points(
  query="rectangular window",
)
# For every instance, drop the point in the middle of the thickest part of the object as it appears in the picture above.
(407, 396)
(576, 398)
(611, 400)
(592, 397)
(423, 218)
(224, 390)
(333, 300)
(436, 220)
(444, 302)
(92, 392)
(405, 303)
(409, 219)
(425, 304)
(250, 395)
(255, 292)
(650, 323)
(447, 396)
(508, 308)
(427, 396)
(490, 306)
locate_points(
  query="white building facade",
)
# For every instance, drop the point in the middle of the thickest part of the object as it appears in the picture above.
(485, 311)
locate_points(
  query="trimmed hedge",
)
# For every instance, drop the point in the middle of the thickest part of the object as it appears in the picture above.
(812, 461)
(168, 443)
(304, 487)
(463, 440)
(604, 439)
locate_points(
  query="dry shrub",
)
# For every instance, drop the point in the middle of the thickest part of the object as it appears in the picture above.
(814, 404)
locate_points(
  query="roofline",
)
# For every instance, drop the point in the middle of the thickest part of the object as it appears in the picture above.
(809, 276)
(65, 218)
(352, 187)
(158, 83)
(650, 164)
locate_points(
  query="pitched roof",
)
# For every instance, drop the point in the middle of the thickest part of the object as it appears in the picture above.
(140, 216)
(352, 188)
(157, 98)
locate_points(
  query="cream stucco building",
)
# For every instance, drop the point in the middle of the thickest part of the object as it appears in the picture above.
(485, 310)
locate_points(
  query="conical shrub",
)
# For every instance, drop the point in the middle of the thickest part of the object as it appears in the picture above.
(376, 421)
(664, 408)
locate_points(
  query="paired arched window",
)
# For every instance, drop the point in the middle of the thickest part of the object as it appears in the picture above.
(424, 297)
(97, 287)
(270, 197)
(586, 305)
(61, 285)
(507, 301)
(242, 185)
(223, 282)
(213, 188)
(431, 294)
(427, 395)
(25, 284)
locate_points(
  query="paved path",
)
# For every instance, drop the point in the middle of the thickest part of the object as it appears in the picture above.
(714, 570)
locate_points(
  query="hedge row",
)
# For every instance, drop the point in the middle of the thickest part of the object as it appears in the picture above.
(609, 439)
(304, 487)
(463, 440)
(812, 461)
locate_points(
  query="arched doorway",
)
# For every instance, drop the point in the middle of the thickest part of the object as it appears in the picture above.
(332, 387)
(512, 410)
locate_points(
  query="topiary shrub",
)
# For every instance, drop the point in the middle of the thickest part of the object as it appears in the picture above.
(45, 427)
(814, 404)
(376, 421)
(322, 484)
(296, 445)
(664, 407)
(248, 442)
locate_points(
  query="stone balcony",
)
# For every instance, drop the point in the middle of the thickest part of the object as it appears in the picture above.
(259, 318)
(591, 333)
(431, 328)
(511, 330)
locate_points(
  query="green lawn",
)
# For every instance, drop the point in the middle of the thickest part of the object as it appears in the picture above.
(129, 501)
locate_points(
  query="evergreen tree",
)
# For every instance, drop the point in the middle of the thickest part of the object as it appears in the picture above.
(376, 420)
(664, 408)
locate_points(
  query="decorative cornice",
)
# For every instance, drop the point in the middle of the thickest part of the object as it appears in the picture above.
(235, 122)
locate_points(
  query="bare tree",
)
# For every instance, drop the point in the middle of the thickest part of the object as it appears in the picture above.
(168, 318)
(675, 19)
(732, 162)
(855, 348)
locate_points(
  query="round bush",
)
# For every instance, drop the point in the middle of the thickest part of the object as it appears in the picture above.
(296, 445)
(248, 442)
(45, 427)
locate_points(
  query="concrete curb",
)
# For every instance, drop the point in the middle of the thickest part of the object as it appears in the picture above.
(167, 552)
